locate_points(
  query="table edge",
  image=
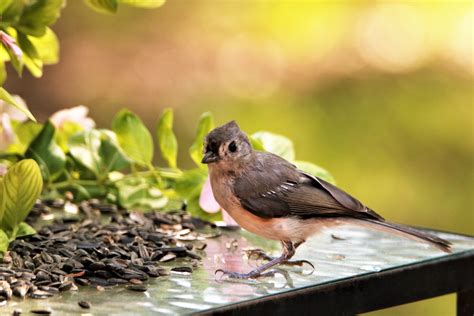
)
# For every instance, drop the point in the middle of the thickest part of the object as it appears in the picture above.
(376, 290)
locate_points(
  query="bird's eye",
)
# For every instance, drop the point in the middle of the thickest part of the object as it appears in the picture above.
(232, 147)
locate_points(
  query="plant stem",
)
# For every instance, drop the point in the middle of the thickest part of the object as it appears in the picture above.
(156, 175)
(63, 184)
(165, 173)
(159, 172)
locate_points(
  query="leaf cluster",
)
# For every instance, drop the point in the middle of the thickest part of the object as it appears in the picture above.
(26, 39)
(114, 164)
(117, 164)
(19, 189)
(111, 6)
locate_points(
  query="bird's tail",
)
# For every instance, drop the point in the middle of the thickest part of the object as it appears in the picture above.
(439, 243)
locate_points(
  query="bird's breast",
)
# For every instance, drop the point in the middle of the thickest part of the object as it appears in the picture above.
(221, 185)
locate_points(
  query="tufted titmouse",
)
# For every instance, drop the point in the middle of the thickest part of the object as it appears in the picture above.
(270, 197)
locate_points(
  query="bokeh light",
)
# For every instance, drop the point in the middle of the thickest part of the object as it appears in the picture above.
(392, 37)
(250, 69)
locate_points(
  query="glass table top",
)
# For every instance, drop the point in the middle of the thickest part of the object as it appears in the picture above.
(337, 253)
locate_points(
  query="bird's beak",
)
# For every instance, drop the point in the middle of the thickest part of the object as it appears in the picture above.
(210, 157)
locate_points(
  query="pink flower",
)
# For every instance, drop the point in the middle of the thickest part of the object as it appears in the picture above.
(7, 136)
(76, 115)
(10, 43)
(209, 204)
(8, 113)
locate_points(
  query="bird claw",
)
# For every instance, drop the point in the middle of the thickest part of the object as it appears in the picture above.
(299, 263)
(233, 275)
(258, 254)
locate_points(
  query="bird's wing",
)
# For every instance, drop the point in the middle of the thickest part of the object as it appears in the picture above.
(276, 188)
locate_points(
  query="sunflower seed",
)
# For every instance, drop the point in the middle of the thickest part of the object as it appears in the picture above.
(38, 294)
(84, 304)
(182, 269)
(41, 311)
(71, 252)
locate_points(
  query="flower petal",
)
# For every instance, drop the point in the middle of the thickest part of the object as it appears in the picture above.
(206, 200)
(77, 114)
(10, 42)
(228, 219)
(14, 113)
(7, 136)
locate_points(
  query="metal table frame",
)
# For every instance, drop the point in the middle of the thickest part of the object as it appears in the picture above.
(372, 291)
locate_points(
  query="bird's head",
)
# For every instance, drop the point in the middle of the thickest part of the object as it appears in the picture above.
(226, 145)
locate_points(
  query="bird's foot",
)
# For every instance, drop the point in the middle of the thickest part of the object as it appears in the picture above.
(259, 254)
(244, 276)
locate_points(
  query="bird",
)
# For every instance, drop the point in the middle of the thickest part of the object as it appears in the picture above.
(270, 197)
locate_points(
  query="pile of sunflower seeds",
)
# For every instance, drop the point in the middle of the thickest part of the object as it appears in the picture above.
(127, 248)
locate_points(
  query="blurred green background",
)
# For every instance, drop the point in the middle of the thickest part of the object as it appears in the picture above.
(379, 93)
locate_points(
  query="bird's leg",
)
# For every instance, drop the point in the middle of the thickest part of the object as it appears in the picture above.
(261, 255)
(297, 244)
(288, 252)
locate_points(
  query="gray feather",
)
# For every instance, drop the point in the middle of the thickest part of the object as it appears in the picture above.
(273, 187)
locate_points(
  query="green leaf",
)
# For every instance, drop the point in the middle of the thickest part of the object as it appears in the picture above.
(8, 158)
(3, 73)
(5, 96)
(315, 170)
(84, 147)
(133, 137)
(112, 157)
(148, 4)
(277, 144)
(140, 193)
(30, 55)
(16, 63)
(4, 54)
(98, 151)
(37, 16)
(24, 230)
(4, 242)
(35, 66)
(256, 144)
(47, 153)
(4, 4)
(205, 125)
(166, 138)
(85, 192)
(47, 47)
(63, 134)
(27, 46)
(103, 6)
(2, 199)
(25, 133)
(189, 187)
(190, 182)
(22, 186)
(12, 13)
